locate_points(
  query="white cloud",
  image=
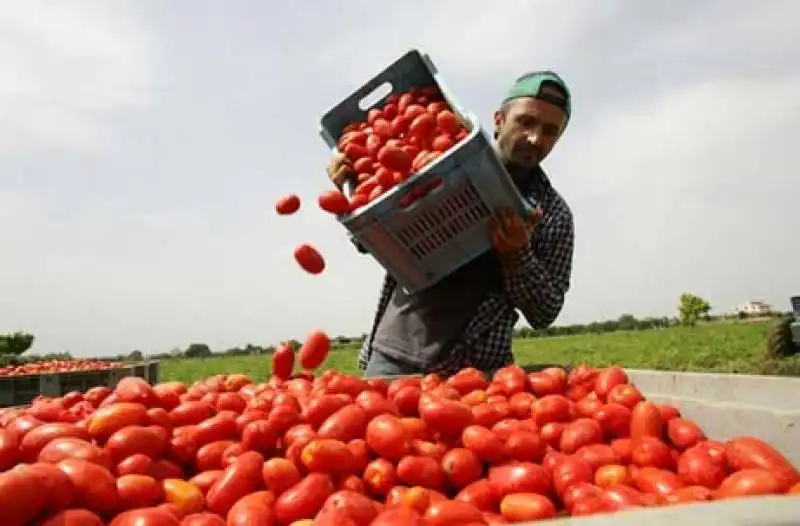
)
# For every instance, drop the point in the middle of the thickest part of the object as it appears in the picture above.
(65, 66)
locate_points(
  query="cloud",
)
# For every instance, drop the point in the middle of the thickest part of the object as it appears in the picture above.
(65, 67)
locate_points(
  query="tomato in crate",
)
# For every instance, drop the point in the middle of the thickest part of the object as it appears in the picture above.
(427, 179)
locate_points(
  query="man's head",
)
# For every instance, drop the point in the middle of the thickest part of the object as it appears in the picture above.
(531, 119)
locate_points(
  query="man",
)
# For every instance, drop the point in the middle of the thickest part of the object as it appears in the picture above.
(467, 319)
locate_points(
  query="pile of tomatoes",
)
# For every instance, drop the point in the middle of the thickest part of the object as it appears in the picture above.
(338, 449)
(396, 141)
(59, 366)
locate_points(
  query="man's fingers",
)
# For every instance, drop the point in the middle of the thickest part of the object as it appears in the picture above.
(342, 174)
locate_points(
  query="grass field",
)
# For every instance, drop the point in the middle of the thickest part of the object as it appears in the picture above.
(719, 347)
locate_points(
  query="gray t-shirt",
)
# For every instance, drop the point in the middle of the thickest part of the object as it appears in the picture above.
(421, 328)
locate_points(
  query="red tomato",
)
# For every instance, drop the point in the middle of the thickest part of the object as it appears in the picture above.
(39, 437)
(388, 437)
(520, 507)
(309, 258)
(150, 441)
(314, 350)
(138, 491)
(95, 486)
(519, 477)
(445, 416)
(750, 481)
(684, 433)
(243, 476)
(203, 519)
(461, 467)
(379, 476)
(420, 471)
(579, 433)
(63, 448)
(9, 450)
(145, 517)
(551, 408)
(283, 361)
(646, 421)
(184, 496)
(106, 420)
(287, 205)
(612, 475)
(525, 445)
(650, 451)
(348, 423)
(356, 506)
(657, 481)
(697, 466)
(452, 513)
(304, 499)
(570, 471)
(326, 455)
(334, 201)
(624, 394)
(253, 509)
(752, 453)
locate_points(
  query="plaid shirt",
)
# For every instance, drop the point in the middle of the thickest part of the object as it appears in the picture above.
(535, 281)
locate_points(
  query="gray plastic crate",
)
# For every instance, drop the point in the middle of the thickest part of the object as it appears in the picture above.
(20, 390)
(447, 228)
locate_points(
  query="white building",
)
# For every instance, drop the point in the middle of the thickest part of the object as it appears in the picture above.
(753, 308)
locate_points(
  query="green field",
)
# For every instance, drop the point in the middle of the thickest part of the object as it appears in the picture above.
(719, 347)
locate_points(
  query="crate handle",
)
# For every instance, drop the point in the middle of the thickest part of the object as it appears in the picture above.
(376, 96)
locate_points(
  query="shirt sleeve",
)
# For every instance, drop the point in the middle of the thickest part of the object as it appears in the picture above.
(537, 277)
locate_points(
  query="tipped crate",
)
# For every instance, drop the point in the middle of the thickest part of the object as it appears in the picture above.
(21, 390)
(424, 242)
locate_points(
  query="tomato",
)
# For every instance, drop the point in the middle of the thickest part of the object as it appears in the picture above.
(452, 513)
(346, 424)
(315, 348)
(519, 507)
(580, 492)
(622, 496)
(598, 455)
(697, 466)
(579, 433)
(624, 394)
(612, 475)
(109, 419)
(95, 486)
(190, 413)
(445, 416)
(570, 471)
(525, 445)
(9, 449)
(519, 477)
(650, 451)
(309, 258)
(185, 496)
(150, 441)
(480, 494)
(138, 491)
(304, 499)
(544, 383)
(483, 442)
(358, 507)
(646, 421)
(74, 517)
(145, 517)
(607, 379)
(334, 201)
(134, 389)
(398, 517)
(551, 408)
(657, 481)
(461, 467)
(252, 510)
(203, 519)
(52, 482)
(39, 437)
(283, 361)
(684, 433)
(551, 433)
(590, 506)
(205, 479)
(279, 475)
(64, 448)
(752, 453)
(287, 205)
(689, 494)
(749, 482)
(388, 437)
(327, 455)
(420, 471)
(243, 476)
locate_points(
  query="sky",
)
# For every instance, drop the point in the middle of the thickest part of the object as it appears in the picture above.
(143, 145)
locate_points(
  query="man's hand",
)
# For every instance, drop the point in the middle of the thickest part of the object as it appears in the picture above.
(510, 232)
(339, 170)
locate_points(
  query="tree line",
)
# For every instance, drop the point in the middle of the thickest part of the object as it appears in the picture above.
(692, 309)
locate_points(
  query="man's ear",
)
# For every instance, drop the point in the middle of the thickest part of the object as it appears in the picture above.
(499, 120)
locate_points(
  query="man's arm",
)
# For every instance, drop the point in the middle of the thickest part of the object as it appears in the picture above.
(537, 283)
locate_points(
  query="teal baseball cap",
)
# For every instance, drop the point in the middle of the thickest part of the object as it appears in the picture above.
(531, 84)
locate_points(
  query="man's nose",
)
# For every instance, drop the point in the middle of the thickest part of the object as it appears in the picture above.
(532, 136)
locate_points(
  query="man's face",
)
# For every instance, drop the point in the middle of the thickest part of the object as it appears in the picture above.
(527, 131)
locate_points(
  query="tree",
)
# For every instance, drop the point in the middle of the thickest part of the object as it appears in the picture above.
(15, 343)
(135, 356)
(691, 308)
(197, 350)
